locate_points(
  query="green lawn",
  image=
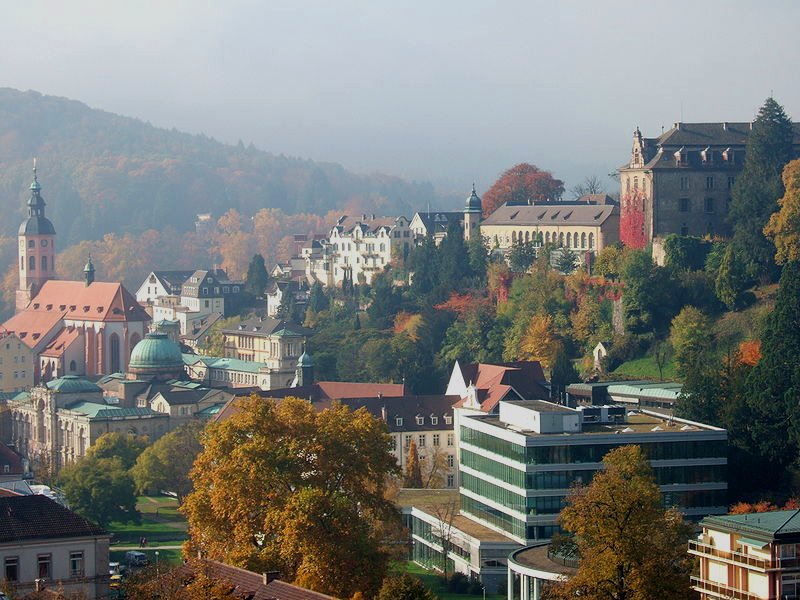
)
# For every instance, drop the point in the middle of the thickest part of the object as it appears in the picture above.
(433, 582)
(161, 524)
(170, 557)
(645, 368)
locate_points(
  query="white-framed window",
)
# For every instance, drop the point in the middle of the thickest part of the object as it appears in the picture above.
(420, 420)
(398, 421)
(421, 440)
(407, 440)
(448, 420)
(449, 439)
(76, 563)
(451, 460)
(451, 480)
(434, 420)
(12, 568)
(435, 439)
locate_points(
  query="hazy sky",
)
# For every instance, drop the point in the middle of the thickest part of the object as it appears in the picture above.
(446, 91)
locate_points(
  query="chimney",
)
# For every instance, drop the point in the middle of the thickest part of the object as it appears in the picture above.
(373, 216)
(269, 576)
(363, 216)
(724, 126)
(677, 125)
(383, 412)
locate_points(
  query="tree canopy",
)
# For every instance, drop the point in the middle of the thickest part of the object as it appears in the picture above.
(784, 225)
(759, 186)
(280, 486)
(630, 547)
(522, 184)
(257, 277)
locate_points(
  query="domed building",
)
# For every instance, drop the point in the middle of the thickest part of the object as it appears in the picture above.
(156, 357)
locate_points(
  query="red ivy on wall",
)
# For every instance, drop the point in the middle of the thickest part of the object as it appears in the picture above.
(631, 221)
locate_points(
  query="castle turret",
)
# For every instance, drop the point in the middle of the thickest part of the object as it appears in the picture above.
(472, 215)
(304, 374)
(37, 247)
(88, 272)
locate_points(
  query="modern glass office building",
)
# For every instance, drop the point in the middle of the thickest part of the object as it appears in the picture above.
(516, 467)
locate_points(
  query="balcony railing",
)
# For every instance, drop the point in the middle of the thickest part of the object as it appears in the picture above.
(699, 548)
(722, 591)
(754, 562)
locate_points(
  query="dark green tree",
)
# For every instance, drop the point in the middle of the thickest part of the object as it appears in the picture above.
(773, 386)
(731, 279)
(567, 261)
(404, 587)
(423, 262)
(758, 187)
(478, 255)
(453, 258)
(317, 299)
(386, 301)
(257, 277)
(100, 489)
(521, 256)
(648, 297)
(562, 374)
(684, 252)
(125, 446)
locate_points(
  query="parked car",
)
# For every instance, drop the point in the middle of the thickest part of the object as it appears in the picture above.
(134, 558)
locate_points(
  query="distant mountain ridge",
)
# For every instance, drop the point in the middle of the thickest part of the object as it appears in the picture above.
(104, 173)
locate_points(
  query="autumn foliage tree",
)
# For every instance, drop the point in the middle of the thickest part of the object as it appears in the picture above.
(412, 478)
(522, 184)
(630, 546)
(783, 227)
(281, 486)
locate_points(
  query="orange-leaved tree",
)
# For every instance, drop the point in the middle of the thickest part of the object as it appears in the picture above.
(521, 184)
(282, 486)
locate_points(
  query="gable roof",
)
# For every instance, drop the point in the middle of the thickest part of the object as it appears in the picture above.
(38, 517)
(552, 215)
(249, 585)
(74, 300)
(438, 221)
(61, 343)
(407, 408)
(266, 326)
(172, 280)
(495, 381)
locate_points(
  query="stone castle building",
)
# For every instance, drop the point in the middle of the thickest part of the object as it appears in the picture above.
(681, 182)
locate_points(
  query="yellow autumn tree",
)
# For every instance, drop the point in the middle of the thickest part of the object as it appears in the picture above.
(540, 341)
(783, 227)
(282, 486)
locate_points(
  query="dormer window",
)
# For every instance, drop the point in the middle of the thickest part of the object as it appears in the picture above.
(420, 420)
(448, 420)
(434, 420)
(398, 421)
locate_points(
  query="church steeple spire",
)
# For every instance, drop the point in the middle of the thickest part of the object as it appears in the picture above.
(36, 203)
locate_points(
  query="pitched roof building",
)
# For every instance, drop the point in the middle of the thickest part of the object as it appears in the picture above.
(681, 181)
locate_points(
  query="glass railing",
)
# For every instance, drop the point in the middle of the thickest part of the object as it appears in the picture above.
(721, 591)
(738, 557)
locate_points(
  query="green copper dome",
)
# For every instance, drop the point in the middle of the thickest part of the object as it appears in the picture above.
(72, 384)
(473, 202)
(156, 351)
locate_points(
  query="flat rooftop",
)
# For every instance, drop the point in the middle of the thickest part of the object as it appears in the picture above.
(437, 501)
(638, 422)
(541, 406)
(536, 557)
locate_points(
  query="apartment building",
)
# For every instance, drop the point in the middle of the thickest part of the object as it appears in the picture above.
(748, 557)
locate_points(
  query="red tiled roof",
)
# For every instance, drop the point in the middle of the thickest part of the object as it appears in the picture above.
(62, 341)
(495, 381)
(252, 586)
(74, 300)
(13, 459)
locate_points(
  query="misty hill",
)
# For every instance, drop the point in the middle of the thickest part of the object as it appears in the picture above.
(105, 173)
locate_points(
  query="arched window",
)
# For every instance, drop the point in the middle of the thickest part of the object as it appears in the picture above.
(31, 263)
(31, 243)
(540, 237)
(591, 240)
(114, 341)
(513, 237)
(72, 366)
(569, 240)
(527, 236)
(44, 263)
(547, 237)
(583, 240)
(135, 340)
(636, 183)
(561, 239)
(22, 263)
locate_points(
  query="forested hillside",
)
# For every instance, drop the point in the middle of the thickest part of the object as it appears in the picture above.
(103, 173)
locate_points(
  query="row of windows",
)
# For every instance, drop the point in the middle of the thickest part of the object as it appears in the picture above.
(568, 454)
(420, 420)
(422, 440)
(17, 375)
(492, 515)
(709, 205)
(576, 241)
(710, 182)
(17, 359)
(43, 243)
(44, 566)
(32, 263)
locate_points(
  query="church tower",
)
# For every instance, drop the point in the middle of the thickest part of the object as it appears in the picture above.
(37, 247)
(472, 215)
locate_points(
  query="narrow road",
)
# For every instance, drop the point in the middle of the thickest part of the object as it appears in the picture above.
(149, 547)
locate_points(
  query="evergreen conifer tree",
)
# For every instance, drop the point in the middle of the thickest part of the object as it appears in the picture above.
(257, 277)
(561, 375)
(773, 386)
(413, 472)
(758, 187)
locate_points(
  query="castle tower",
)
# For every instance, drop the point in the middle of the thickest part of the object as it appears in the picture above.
(472, 215)
(37, 247)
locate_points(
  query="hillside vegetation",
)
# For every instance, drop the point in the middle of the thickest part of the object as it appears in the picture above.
(103, 173)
